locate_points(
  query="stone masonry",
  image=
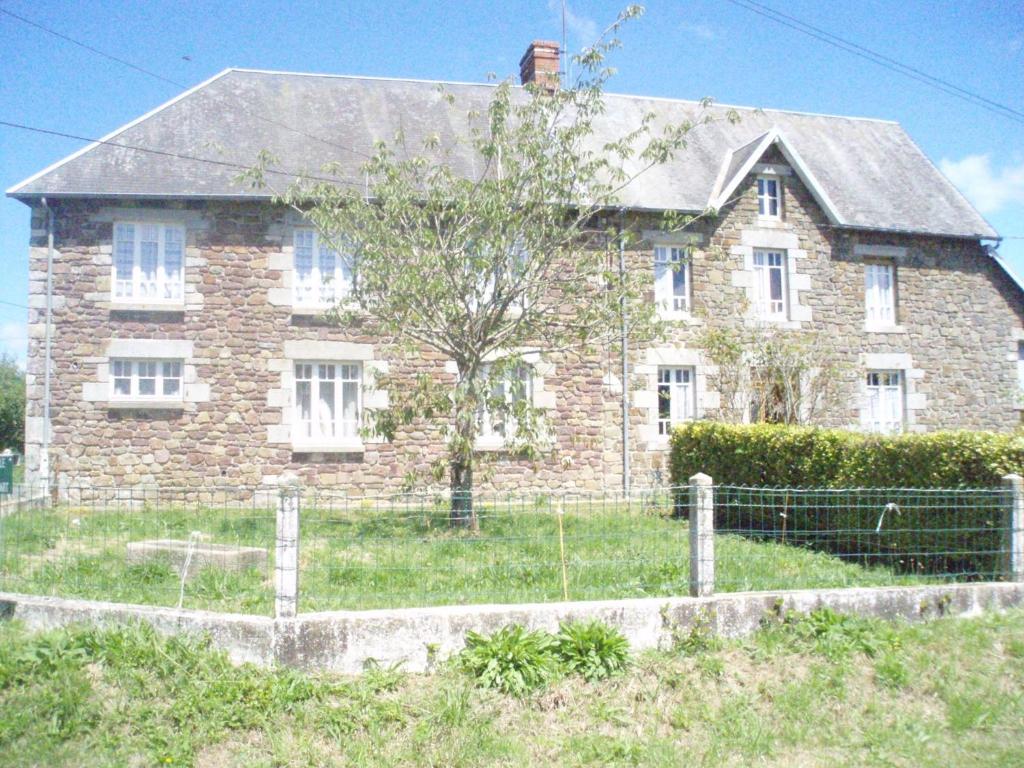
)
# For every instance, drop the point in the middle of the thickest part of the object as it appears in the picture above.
(960, 318)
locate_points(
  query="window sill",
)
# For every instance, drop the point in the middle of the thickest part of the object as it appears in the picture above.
(780, 321)
(770, 222)
(311, 311)
(146, 405)
(147, 306)
(678, 316)
(319, 310)
(348, 446)
(491, 445)
(884, 329)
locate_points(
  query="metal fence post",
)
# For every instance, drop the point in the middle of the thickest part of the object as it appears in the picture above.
(1013, 523)
(286, 557)
(702, 536)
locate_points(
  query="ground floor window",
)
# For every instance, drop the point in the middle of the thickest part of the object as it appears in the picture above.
(145, 379)
(883, 411)
(496, 417)
(676, 397)
(327, 401)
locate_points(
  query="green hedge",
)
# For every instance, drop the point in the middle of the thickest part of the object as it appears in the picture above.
(955, 533)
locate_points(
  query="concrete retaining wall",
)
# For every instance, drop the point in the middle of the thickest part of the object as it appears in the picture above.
(345, 641)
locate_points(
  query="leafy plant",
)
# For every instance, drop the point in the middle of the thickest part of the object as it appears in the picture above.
(838, 635)
(592, 649)
(513, 660)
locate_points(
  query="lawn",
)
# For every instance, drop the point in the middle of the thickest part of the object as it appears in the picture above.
(355, 557)
(862, 692)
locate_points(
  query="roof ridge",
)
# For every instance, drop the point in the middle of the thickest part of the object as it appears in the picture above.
(671, 99)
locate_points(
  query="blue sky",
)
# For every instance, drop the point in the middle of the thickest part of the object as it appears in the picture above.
(679, 49)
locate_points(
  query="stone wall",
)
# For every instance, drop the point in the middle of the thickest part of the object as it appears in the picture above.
(960, 318)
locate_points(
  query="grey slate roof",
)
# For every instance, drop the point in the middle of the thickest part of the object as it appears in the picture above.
(873, 173)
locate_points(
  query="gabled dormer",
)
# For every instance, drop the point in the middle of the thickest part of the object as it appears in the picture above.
(750, 158)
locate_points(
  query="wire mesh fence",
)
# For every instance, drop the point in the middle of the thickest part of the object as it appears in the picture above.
(408, 551)
(930, 535)
(200, 548)
(217, 548)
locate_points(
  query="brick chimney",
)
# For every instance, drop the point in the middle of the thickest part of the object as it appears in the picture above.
(540, 64)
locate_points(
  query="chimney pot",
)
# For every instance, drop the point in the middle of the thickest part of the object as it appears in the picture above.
(540, 64)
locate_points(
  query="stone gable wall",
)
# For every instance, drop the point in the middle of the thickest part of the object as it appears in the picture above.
(960, 318)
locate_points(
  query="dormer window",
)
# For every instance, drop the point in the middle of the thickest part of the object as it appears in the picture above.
(768, 203)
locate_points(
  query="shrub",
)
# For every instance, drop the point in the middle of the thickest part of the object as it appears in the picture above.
(513, 660)
(789, 456)
(592, 649)
(920, 532)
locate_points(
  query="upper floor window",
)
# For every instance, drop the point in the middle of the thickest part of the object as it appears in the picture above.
(327, 402)
(148, 263)
(770, 284)
(768, 203)
(880, 294)
(676, 399)
(671, 279)
(322, 276)
(883, 411)
(145, 379)
(496, 417)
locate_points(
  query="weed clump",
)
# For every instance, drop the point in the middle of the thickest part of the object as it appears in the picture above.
(518, 661)
(592, 650)
(513, 660)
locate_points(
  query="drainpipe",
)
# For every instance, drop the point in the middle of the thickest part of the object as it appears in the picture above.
(625, 359)
(44, 453)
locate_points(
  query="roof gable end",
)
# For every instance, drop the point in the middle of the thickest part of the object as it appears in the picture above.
(738, 163)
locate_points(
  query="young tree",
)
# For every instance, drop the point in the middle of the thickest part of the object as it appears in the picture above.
(518, 257)
(12, 405)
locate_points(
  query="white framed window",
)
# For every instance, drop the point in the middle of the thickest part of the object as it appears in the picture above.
(328, 402)
(145, 379)
(770, 283)
(883, 411)
(880, 294)
(148, 263)
(768, 202)
(671, 279)
(676, 397)
(515, 386)
(322, 276)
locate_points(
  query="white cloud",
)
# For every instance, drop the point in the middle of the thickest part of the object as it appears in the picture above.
(703, 31)
(989, 191)
(582, 29)
(14, 340)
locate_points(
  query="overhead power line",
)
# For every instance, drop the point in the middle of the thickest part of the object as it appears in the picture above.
(178, 155)
(234, 104)
(882, 60)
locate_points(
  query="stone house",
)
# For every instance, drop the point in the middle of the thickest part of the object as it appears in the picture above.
(188, 344)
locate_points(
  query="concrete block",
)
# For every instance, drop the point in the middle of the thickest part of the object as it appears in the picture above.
(228, 557)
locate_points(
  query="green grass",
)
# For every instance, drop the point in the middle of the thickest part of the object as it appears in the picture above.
(820, 691)
(358, 557)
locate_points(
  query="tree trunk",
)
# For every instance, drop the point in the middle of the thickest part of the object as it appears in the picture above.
(462, 512)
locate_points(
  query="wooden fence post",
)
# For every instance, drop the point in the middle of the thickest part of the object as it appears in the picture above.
(702, 536)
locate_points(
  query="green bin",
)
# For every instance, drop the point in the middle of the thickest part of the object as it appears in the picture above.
(6, 475)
